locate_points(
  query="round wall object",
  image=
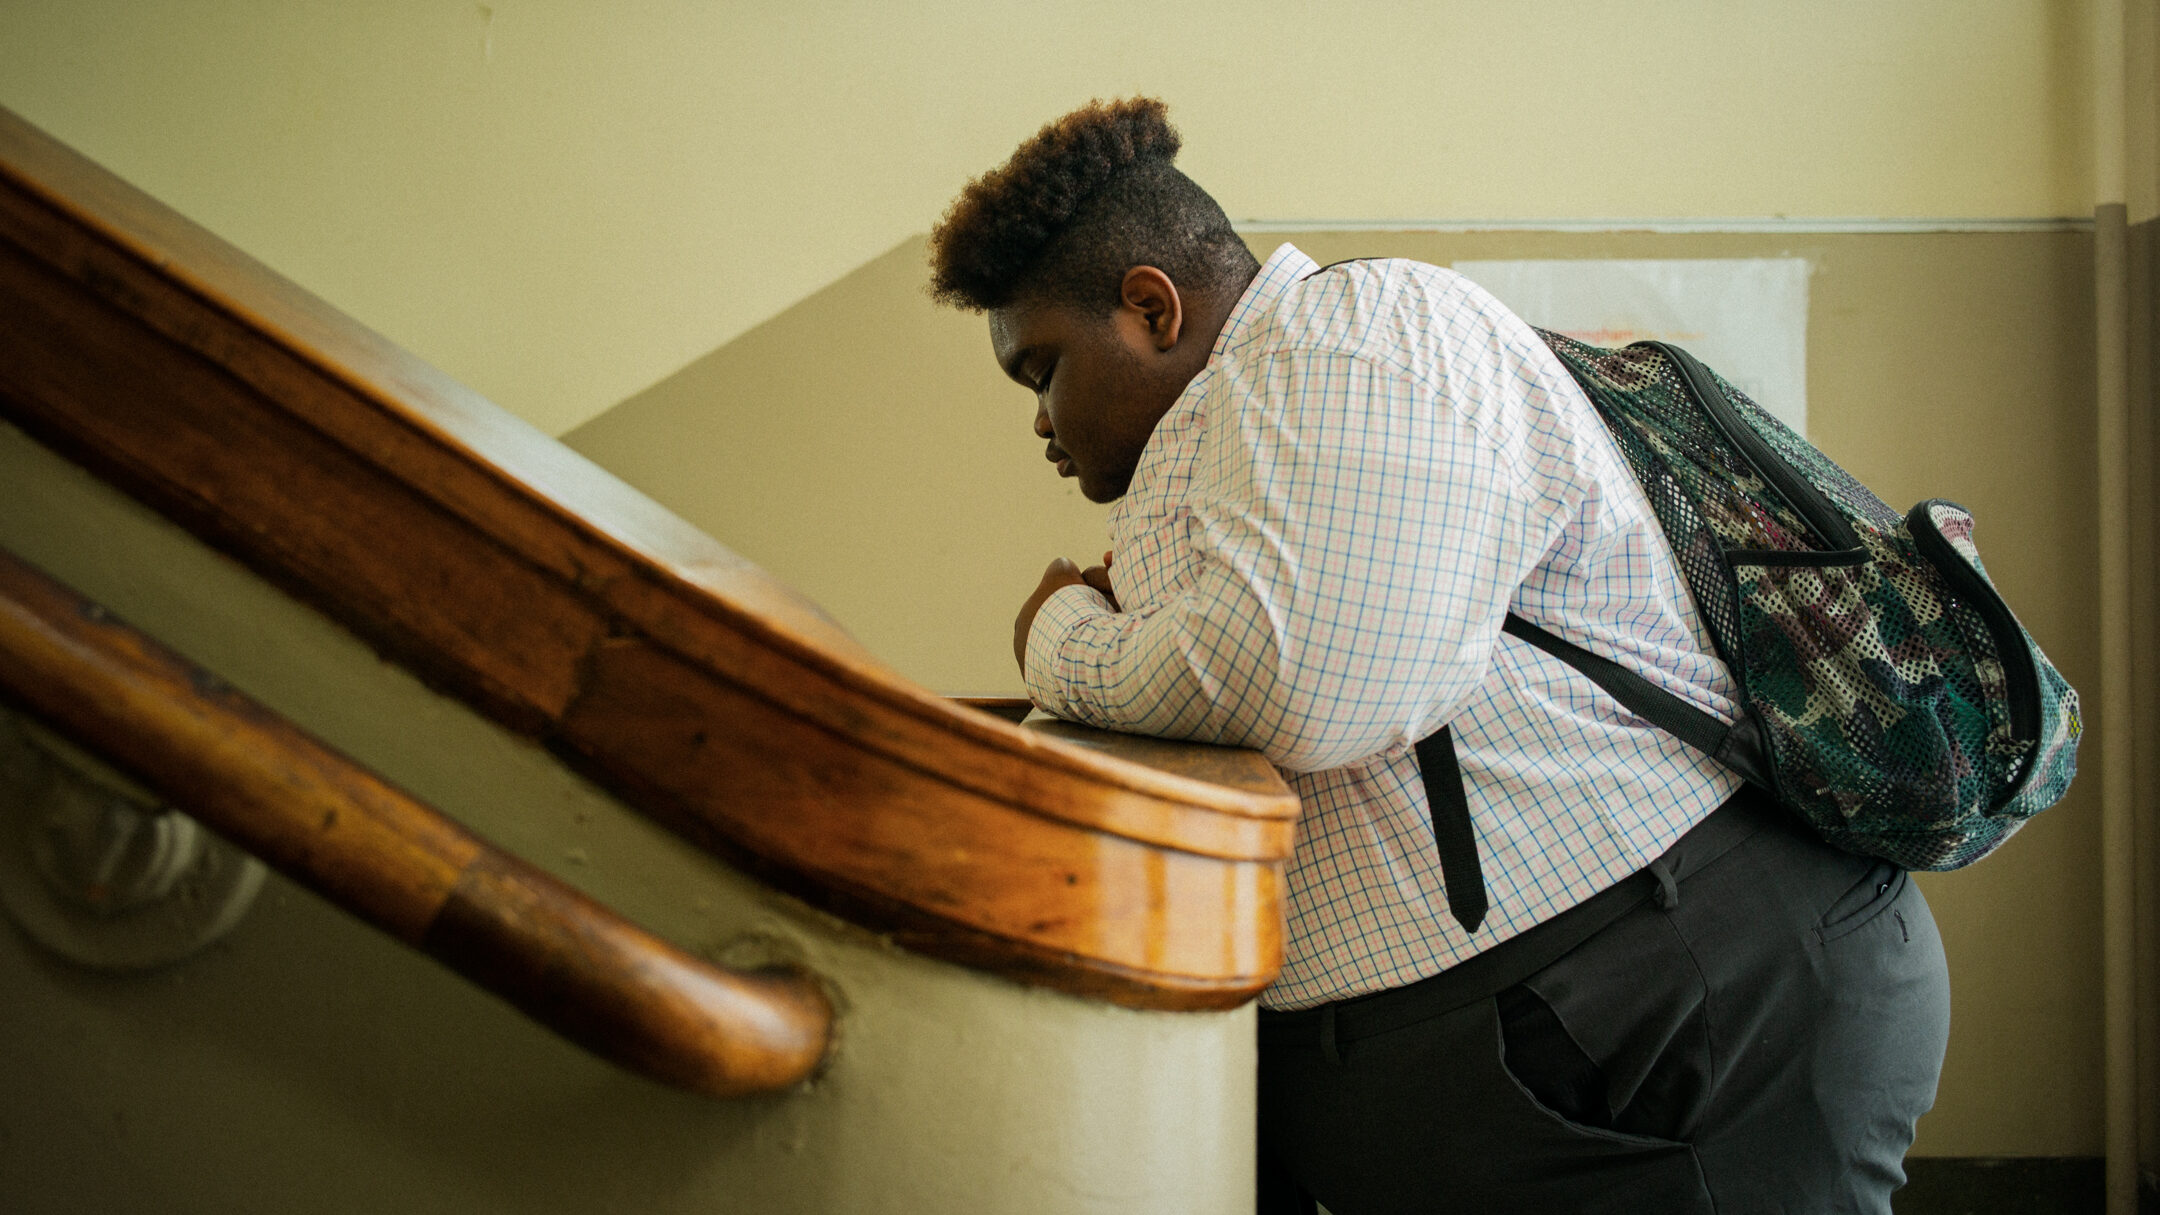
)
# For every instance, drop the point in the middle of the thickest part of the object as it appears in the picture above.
(96, 869)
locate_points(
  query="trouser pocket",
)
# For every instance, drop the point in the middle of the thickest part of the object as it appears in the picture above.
(1877, 891)
(1613, 1035)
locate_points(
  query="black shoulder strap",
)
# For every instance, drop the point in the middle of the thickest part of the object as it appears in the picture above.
(1738, 746)
(1453, 836)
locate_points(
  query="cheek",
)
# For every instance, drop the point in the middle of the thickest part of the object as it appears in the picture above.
(1068, 419)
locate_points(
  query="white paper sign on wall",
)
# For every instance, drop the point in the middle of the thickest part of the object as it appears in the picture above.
(1746, 317)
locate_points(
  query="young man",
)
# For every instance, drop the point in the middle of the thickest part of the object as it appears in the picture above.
(1643, 989)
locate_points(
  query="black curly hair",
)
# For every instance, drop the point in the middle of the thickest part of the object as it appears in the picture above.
(1092, 195)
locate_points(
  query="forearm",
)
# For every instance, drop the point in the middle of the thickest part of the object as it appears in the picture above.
(1215, 665)
(1125, 671)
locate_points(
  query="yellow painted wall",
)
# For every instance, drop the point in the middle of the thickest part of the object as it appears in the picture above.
(560, 203)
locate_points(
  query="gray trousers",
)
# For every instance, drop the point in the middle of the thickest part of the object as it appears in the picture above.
(1751, 1025)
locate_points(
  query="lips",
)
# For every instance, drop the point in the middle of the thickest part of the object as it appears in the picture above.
(1064, 462)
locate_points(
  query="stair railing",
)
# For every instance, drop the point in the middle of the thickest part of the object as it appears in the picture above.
(374, 851)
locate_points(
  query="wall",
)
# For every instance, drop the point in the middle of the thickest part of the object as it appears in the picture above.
(561, 203)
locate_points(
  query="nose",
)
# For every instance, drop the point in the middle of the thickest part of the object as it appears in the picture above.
(1042, 424)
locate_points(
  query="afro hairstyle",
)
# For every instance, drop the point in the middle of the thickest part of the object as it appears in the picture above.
(1092, 195)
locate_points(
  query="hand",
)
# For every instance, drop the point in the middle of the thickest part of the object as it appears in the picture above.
(1061, 574)
(1098, 576)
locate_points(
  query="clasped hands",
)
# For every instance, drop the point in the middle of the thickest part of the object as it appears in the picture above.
(1061, 574)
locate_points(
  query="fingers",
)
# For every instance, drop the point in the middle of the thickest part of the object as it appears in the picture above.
(1098, 577)
(1059, 574)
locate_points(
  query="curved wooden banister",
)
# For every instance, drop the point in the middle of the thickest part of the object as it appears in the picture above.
(339, 830)
(513, 574)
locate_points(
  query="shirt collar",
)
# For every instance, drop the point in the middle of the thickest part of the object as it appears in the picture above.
(1283, 267)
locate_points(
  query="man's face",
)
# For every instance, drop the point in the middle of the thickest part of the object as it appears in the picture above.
(1101, 383)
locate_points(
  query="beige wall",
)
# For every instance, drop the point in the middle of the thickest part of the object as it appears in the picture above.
(561, 203)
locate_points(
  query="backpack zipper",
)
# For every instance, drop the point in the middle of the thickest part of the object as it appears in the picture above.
(2021, 677)
(1809, 503)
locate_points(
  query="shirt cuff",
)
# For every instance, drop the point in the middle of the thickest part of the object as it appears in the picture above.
(1068, 610)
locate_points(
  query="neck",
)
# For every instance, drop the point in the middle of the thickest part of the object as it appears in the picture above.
(1210, 312)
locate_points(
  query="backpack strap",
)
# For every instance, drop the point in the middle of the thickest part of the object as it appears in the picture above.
(1739, 746)
(1453, 837)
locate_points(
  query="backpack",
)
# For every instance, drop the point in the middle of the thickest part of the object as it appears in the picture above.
(1892, 700)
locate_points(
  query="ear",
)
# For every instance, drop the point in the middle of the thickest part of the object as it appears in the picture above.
(1152, 299)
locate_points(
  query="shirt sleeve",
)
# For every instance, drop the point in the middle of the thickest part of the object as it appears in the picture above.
(1356, 535)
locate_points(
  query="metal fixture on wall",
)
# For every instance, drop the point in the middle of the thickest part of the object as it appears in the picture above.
(96, 869)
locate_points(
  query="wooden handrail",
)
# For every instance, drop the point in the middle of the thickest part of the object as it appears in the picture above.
(539, 589)
(372, 850)
(1011, 708)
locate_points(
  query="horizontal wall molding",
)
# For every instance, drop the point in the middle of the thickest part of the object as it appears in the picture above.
(1775, 224)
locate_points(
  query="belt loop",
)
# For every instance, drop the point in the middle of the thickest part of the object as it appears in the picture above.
(1668, 894)
(1328, 1048)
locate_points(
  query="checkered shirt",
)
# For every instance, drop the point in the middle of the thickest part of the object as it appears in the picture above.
(1315, 557)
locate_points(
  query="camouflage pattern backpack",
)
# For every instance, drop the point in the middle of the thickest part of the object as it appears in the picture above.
(1893, 701)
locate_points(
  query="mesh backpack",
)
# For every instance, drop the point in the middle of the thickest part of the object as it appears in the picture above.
(1891, 698)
